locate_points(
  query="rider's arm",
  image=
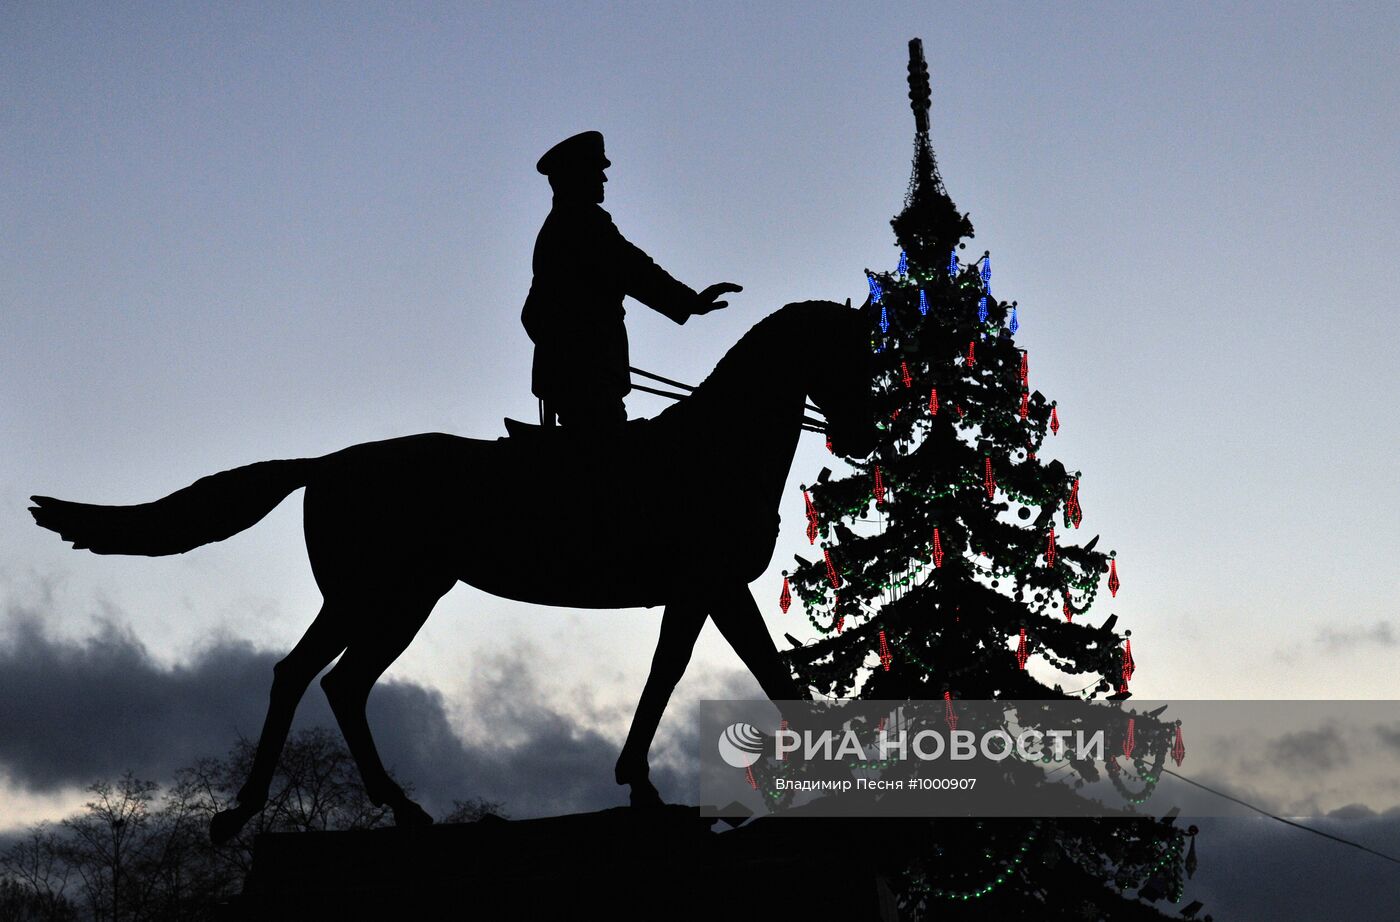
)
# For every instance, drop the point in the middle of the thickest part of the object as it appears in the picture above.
(644, 280)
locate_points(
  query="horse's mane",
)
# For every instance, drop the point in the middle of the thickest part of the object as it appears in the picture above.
(791, 330)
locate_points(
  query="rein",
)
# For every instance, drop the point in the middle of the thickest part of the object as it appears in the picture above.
(808, 423)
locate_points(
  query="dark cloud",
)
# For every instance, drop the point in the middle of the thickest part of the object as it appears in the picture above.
(1380, 634)
(1309, 750)
(74, 712)
(1389, 735)
(1259, 868)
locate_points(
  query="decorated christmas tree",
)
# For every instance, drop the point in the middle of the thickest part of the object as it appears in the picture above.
(947, 565)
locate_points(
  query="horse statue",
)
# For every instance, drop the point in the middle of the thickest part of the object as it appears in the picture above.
(546, 517)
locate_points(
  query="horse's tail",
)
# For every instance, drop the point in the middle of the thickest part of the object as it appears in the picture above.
(210, 509)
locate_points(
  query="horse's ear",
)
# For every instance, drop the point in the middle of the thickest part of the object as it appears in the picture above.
(848, 304)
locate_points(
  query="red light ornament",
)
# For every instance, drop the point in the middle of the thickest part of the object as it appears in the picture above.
(813, 526)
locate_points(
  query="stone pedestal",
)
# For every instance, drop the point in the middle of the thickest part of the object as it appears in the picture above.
(655, 864)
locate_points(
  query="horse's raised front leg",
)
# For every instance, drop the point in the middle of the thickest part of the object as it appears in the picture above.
(680, 626)
(736, 615)
(321, 643)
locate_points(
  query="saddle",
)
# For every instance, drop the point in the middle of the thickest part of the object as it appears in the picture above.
(527, 433)
(515, 429)
(610, 463)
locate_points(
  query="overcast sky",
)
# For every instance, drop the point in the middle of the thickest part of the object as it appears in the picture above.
(238, 233)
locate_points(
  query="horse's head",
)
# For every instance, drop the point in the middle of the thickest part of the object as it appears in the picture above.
(842, 371)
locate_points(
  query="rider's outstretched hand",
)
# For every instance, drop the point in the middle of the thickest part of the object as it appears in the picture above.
(707, 297)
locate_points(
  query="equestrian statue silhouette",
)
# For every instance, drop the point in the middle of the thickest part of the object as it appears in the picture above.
(544, 516)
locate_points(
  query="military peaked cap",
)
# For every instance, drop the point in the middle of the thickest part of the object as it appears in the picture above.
(582, 151)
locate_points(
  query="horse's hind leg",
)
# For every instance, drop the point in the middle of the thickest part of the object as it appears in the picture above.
(321, 643)
(384, 634)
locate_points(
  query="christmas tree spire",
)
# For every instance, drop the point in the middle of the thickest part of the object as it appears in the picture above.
(930, 226)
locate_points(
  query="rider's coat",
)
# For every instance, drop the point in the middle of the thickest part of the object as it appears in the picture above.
(583, 267)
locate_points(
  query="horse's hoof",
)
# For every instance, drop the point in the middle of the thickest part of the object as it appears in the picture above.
(645, 794)
(631, 771)
(227, 823)
(409, 813)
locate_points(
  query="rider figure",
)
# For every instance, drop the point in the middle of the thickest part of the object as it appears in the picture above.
(583, 267)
